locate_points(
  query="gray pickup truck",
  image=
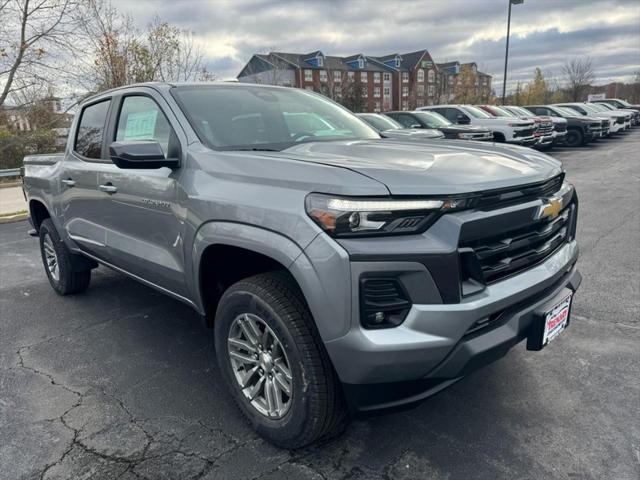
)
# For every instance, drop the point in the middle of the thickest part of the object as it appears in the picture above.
(342, 273)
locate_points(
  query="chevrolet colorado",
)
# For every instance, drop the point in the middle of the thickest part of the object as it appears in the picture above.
(341, 273)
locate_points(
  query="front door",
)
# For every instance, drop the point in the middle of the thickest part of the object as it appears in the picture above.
(143, 217)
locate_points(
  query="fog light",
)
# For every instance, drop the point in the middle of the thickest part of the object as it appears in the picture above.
(378, 317)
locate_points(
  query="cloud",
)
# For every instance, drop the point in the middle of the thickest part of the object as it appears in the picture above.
(544, 33)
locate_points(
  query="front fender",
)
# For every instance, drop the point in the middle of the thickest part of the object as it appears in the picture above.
(259, 240)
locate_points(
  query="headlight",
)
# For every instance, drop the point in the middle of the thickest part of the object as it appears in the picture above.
(349, 216)
(465, 135)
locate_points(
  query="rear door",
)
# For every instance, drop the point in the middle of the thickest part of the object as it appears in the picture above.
(144, 213)
(79, 196)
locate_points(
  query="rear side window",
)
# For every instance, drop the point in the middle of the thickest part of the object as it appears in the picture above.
(91, 130)
(141, 119)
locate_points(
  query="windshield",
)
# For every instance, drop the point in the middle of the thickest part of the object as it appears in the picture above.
(433, 119)
(520, 111)
(381, 122)
(590, 109)
(624, 103)
(606, 105)
(502, 112)
(598, 108)
(232, 117)
(570, 111)
(475, 112)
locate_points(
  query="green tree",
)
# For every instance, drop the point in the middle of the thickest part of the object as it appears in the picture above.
(536, 91)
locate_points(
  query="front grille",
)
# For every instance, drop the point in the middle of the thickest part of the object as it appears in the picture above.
(620, 120)
(508, 252)
(506, 196)
(546, 128)
(527, 132)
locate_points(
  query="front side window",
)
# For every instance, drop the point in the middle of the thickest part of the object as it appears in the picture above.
(141, 119)
(233, 117)
(90, 134)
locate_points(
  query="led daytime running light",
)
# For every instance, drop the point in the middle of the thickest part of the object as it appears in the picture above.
(347, 205)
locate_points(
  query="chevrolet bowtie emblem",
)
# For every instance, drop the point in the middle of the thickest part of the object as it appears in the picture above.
(551, 208)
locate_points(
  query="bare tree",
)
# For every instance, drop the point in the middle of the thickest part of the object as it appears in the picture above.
(577, 74)
(33, 34)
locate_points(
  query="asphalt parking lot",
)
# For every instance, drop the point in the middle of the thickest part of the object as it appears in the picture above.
(121, 382)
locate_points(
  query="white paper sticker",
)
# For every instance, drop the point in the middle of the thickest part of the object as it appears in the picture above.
(141, 125)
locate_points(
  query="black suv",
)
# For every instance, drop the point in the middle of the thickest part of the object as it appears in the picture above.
(437, 121)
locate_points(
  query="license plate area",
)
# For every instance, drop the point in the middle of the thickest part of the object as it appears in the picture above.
(550, 323)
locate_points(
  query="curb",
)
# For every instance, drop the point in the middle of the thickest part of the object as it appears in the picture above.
(13, 217)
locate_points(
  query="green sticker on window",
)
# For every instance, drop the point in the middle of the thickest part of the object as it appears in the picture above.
(141, 125)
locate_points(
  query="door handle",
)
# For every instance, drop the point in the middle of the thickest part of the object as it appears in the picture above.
(68, 182)
(108, 188)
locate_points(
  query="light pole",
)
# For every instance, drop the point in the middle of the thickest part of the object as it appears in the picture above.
(506, 53)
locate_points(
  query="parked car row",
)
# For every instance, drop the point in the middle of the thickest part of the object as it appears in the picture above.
(538, 126)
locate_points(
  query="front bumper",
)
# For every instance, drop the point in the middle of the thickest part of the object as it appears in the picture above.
(432, 348)
(524, 141)
(544, 140)
(560, 138)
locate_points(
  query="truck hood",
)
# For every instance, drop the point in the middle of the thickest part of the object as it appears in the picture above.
(440, 167)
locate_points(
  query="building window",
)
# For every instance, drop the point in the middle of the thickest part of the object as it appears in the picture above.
(337, 91)
(420, 90)
(361, 63)
(376, 107)
(405, 105)
(430, 76)
(431, 90)
(405, 77)
(308, 75)
(363, 77)
(376, 77)
(376, 92)
(351, 76)
(397, 62)
(320, 60)
(365, 92)
(420, 75)
(450, 79)
(420, 102)
(323, 75)
(337, 76)
(405, 91)
(386, 77)
(387, 91)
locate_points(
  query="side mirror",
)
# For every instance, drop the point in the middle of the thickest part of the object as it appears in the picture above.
(140, 154)
(463, 119)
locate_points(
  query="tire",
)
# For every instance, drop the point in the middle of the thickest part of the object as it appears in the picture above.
(63, 279)
(574, 138)
(315, 409)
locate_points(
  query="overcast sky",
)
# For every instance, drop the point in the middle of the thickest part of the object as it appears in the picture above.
(544, 33)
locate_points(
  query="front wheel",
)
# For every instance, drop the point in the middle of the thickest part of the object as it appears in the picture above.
(274, 363)
(56, 258)
(574, 138)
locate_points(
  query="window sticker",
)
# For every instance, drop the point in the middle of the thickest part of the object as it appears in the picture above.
(141, 125)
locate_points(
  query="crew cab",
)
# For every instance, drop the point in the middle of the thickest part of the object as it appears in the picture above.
(543, 125)
(580, 129)
(341, 273)
(388, 128)
(430, 120)
(505, 130)
(630, 115)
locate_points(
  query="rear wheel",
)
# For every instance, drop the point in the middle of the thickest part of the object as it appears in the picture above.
(574, 138)
(274, 363)
(56, 259)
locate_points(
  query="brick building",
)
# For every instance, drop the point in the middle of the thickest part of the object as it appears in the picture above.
(390, 82)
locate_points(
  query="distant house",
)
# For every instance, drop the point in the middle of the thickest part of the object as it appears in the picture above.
(21, 118)
(451, 70)
(390, 82)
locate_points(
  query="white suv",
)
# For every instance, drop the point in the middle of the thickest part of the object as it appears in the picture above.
(509, 130)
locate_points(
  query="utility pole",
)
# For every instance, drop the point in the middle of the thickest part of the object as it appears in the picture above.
(506, 53)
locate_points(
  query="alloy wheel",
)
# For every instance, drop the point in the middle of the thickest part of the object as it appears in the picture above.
(51, 258)
(260, 365)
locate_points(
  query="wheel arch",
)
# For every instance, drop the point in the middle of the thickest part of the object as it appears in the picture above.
(38, 213)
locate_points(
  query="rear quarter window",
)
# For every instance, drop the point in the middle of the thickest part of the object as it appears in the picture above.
(91, 130)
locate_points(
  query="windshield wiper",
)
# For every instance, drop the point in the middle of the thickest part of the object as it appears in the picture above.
(256, 149)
